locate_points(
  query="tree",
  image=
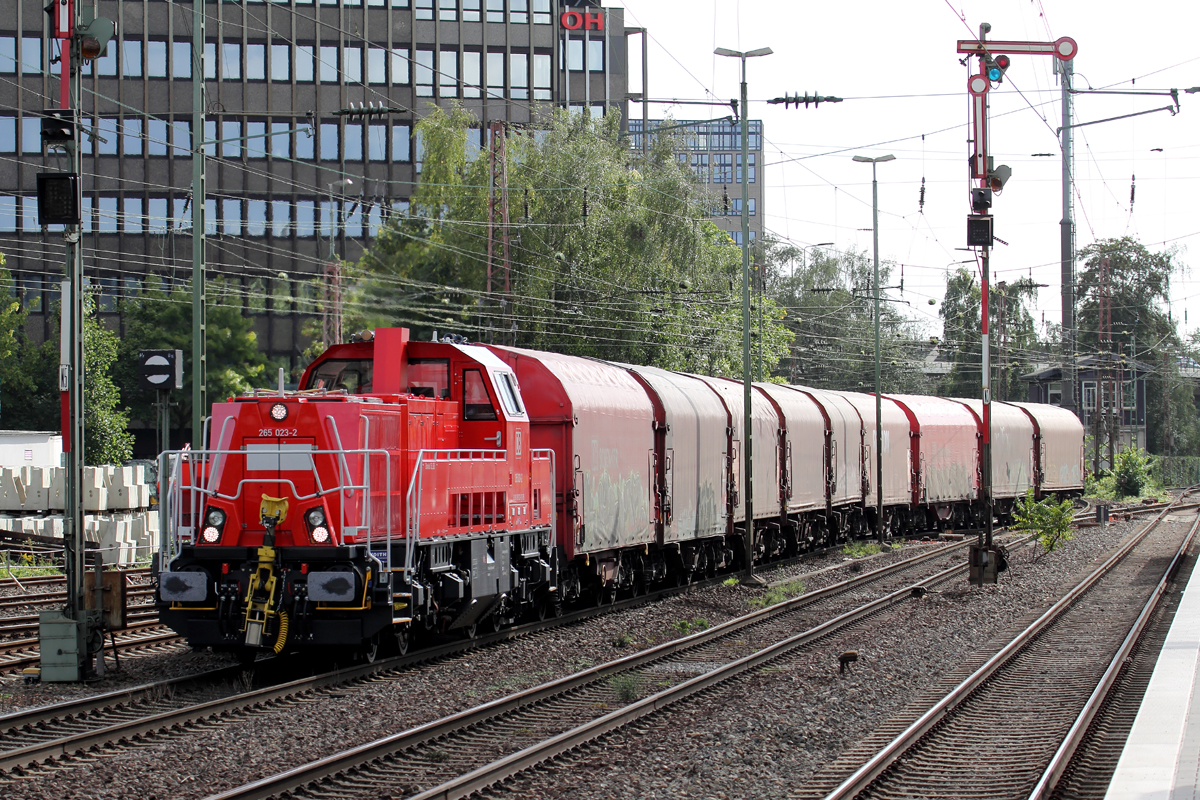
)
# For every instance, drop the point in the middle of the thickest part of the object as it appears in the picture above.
(612, 254)
(1139, 283)
(158, 319)
(107, 439)
(830, 301)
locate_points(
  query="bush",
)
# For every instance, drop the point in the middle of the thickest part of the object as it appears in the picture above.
(1048, 520)
(860, 549)
(1131, 472)
(777, 594)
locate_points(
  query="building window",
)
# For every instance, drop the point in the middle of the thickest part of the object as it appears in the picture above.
(256, 139)
(305, 218)
(304, 63)
(470, 10)
(541, 12)
(1128, 395)
(448, 74)
(181, 138)
(231, 61)
(377, 142)
(352, 150)
(281, 62)
(304, 145)
(106, 131)
(739, 168)
(1089, 395)
(8, 214)
(700, 166)
(495, 73)
(131, 58)
(474, 143)
(352, 222)
(31, 135)
(156, 59)
(374, 220)
(519, 75)
(231, 216)
(400, 66)
(8, 60)
(735, 207)
(106, 215)
(8, 134)
(256, 62)
(133, 215)
(595, 55)
(424, 77)
(29, 214)
(575, 55)
(133, 136)
(722, 169)
(31, 56)
(541, 76)
(495, 10)
(231, 132)
(423, 9)
(326, 219)
(181, 60)
(156, 215)
(447, 10)
(401, 143)
(329, 141)
(256, 217)
(210, 61)
(376, 65)
(518, 12)
(329, 64)
(352, 64)
(472, 73)
(211, 220)
(281, 140)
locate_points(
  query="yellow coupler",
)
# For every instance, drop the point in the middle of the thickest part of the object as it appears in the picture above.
(261, 591)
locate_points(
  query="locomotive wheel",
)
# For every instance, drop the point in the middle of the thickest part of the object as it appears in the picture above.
(541, 608)
(471, 631)
(403, 638)
(371, 651)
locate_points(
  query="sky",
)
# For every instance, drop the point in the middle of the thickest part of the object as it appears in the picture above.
(896, 66)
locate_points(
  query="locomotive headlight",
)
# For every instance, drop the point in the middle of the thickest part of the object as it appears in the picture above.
(216, 517)
(320, 534)
(211, 535)
(279, 412)
(316, 517)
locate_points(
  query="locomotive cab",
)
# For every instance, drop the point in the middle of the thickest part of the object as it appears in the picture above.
(395, 487)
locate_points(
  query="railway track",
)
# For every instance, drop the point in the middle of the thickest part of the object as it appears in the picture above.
(51, 598)
(1041, 692)
(116, 721)
(21, 653)
(565, 713)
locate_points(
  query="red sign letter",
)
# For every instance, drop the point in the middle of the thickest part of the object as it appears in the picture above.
(594, 22)
(571, 20)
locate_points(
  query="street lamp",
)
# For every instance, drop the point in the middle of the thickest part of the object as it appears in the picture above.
(747, 448)
(878, 396)
(804, 255)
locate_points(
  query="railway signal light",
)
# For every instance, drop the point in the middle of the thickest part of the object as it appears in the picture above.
(58, 198)
(94, 37)
(996, 67)
(981, 200)
(998, 177)
(58, 126)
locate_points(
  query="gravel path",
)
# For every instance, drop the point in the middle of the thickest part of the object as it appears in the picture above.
(767, 736)
(234, 751)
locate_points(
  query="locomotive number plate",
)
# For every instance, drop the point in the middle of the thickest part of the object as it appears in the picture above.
(277, 431)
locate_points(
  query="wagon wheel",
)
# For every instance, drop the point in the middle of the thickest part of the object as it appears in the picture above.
(371, 650)
(471, 631)
(494, 623)
(403, 639)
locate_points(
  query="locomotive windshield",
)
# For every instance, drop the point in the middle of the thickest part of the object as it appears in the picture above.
(352, 375)
(429, 377)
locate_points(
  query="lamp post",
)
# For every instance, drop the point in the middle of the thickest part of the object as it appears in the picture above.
(747, 447)
(878, 396)
(804, 255)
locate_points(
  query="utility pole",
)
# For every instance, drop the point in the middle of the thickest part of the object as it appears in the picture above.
(747, 379)
(69, 637)
(1066, 70)
(199, 225)
(498, 209)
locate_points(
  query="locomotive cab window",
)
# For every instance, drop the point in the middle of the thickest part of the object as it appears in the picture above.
(477, 405)
(352, 375)
(506, 385)
(429, 377)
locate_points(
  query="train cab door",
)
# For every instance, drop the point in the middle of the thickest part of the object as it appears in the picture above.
(482, 423)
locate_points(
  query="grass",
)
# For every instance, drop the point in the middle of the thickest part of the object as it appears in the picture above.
(28, 565)
(860, 549)
(623, 639)
(626, 687)
(687, 627)
(777, 594)
(730, 582)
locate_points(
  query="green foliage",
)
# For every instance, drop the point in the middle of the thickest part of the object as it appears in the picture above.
(626, 686)
(160, 319)
(107, 439)
(829, 298)
(777, 594)
(1177, 470)
(731, 582)
(623, 639)
(1048, 520)
(612, 253)
(688, 627)
(1132, 472)
(861, 549)
(29, 565)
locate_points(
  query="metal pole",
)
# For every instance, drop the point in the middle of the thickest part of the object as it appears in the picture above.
(747, 449)
(1067, 243)
(199, 289)
(987, 410)
(878, 396)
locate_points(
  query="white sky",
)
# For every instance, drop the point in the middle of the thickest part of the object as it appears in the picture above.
(874, 48)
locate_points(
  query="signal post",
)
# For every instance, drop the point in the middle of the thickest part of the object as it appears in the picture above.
(985, 558)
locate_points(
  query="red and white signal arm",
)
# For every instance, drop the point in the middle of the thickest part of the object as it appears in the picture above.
(63, 17)
(1063, 49)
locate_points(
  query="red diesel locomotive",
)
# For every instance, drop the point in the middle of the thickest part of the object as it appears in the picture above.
(442, 486)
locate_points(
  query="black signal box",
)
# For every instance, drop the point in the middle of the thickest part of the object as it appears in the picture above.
(979, 230)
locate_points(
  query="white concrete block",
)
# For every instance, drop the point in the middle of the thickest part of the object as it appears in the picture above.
(12, 490)
(37, 498)
(120, 476)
